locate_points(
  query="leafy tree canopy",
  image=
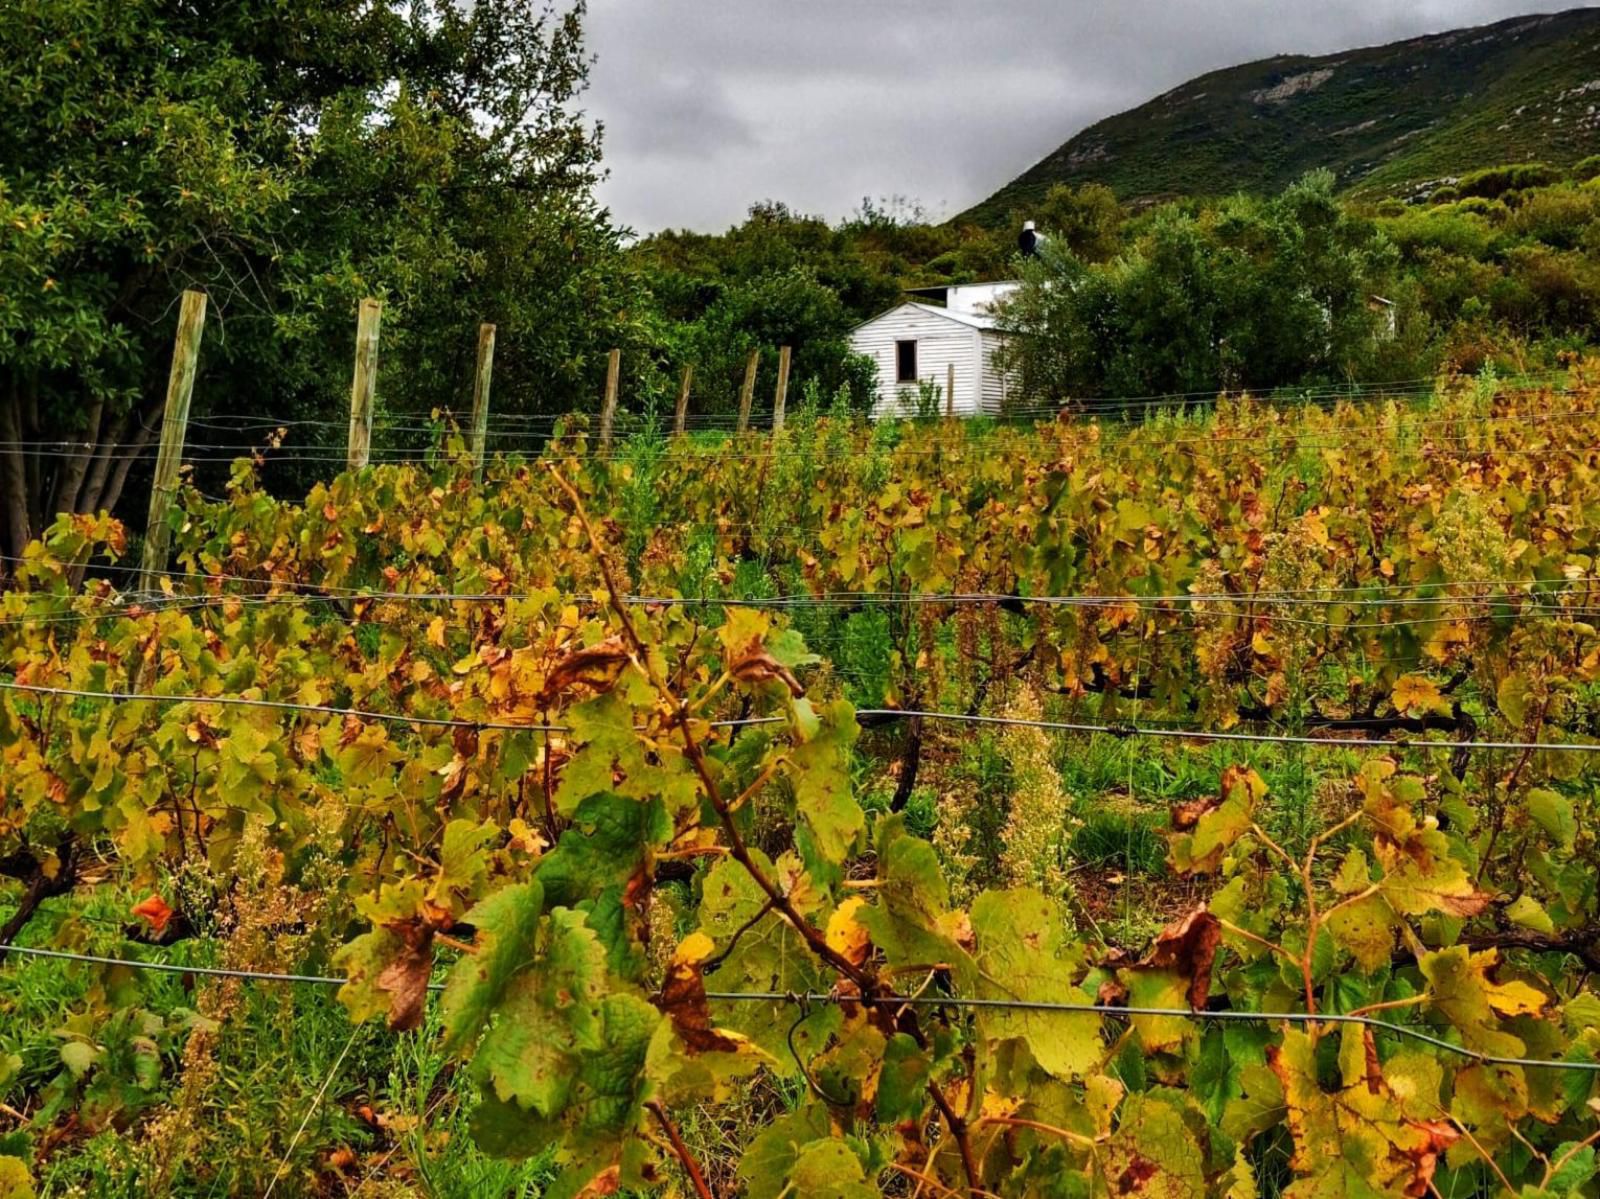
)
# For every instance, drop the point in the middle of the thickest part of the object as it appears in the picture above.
(288, 159)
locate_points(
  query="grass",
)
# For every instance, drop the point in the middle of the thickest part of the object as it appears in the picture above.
(221, 1120)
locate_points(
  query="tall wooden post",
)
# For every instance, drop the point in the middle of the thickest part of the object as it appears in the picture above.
(747, 393)
(950, 392)
(681, 416)
(364, 384)
(781, 396)
(174, 421)
(480, 399)
(608, 407)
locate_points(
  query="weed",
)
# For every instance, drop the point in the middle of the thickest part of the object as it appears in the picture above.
(1113, 837)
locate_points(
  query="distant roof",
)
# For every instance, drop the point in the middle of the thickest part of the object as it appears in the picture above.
(977, 320)
(973, 320)
(941, 288)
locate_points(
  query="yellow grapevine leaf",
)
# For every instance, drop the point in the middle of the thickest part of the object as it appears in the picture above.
(844, 935)
(1416, 696)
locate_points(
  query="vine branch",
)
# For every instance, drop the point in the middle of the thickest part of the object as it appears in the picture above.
(691, 1167)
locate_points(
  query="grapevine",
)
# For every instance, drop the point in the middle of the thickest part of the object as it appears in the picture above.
(483, 760)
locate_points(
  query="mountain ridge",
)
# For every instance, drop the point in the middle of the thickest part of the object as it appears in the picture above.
(1386, 119)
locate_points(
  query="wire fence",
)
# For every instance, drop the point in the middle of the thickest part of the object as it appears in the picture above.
(940, 440)
(953, 1002)
(866, 715)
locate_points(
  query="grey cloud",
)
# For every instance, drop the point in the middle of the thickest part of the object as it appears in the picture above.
(712, 104)
(672, 114)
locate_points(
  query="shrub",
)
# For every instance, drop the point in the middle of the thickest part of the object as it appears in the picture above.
(1455, 230)
(1557, 216)
(1494, 210)
(1493, 182)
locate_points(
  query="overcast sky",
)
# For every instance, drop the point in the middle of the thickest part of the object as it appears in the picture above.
(710, 105)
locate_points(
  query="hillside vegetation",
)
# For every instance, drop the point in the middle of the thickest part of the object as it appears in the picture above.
(1498, 269)
(1384, 119)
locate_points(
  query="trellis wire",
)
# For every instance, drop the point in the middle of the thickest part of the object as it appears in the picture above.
(870, 714)
(947, 1001)
(1330, 439)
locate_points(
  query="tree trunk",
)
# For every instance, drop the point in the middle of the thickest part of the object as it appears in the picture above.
(94, 486)
(130, 452)
(38, 464)
(74, 470)
(13, 474)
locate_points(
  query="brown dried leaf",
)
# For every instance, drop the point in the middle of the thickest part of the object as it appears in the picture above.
(1186, 815)
(454, 773)
(1369, 1049)
(406, 978)
(1425, 1159)
(1111, 994)
(593, 666)
(756, 666)
(683, 999)
(351, 729)
(1188, 946)
(607, 1182)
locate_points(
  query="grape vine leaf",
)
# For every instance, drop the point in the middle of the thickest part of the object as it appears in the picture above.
(548, 1017)
(1153, 1154)
(1460, 989)
(771, 1155)
(829, 1170)
(1420, 873)
(911, 922)
(1205, 829)
(822, 785)
(1022, 953)
(1353, 1140)
(507, 924)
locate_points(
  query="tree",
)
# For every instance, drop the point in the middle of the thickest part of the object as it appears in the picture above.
(1247, 294)
(1087, 219)
(287, 158)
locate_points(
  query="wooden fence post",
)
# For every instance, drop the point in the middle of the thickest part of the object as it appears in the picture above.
(747, 393)
(950, 392)
(781, 396)
(174, 421)
(480, 399)
(608, 407)
(364, 384)
(681, 416)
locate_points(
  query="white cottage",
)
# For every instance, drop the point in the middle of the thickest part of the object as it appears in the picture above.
(918, 342)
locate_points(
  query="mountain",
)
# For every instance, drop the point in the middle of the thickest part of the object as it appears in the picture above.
(1383, 118)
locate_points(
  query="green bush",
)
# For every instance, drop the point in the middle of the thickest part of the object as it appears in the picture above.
(1494, 182)
(1557, 216)
(1454, 230)
(1494, 210)
(1586, 168)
